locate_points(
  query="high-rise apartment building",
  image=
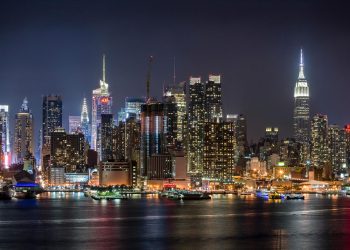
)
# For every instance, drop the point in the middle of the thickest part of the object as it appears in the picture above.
(24, 133)
(301, 107)
(196, 120)
(213, 99)
(219, 145)
(101, 104)
(319, 141)
(338, 148)
(67, 150)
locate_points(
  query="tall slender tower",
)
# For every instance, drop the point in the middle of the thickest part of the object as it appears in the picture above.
(52, 115)
(213, 100)
(84, 120)
(196, 120)
(24, 139)
(5, 136)
(101, 104)
(301, 106)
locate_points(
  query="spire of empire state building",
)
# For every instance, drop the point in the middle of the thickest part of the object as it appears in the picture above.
(301, 106)
(301, 86)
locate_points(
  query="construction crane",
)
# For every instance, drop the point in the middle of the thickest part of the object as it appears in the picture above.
(148, 82)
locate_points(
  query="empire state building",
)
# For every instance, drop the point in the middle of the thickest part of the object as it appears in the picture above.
(301, 106)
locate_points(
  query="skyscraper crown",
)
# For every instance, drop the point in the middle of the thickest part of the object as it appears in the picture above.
(301, 87)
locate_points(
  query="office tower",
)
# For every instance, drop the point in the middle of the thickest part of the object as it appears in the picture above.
(101, 104)
(133, 107)
(319, 141)
(338, 148)
(301, 106)
(52, 115)
(24, 133)
(74, 124)
(84, 121)
(5, 136)
(119, 134)
(219, 144)
(127, 138)
(75, 151)
(213, 100)
(132, 140)
(58, 140)
(152, 133)
(289, 152)
(176, 94)
(170, 124)
(67, 150)
(271, 134)
(107, 127)
(196, 119)
(240, 128)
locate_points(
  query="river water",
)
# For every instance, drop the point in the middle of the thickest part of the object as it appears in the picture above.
(72, 221)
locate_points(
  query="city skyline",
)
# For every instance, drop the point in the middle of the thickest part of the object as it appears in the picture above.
(273, 58)
(180, 124)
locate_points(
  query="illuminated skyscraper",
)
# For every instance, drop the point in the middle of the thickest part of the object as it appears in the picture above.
(67, 150)
(319, 141)
(52, 115)
(240, 129)
(271, 134)
(101, 104)
(176, 94)
(213, 100)
(219, 145)
(24, 137)
(127, 140)
(338, 148)
(133, 107)
(84, 120)
(152, 133)
(196, 119)
(5, 136)
(106, 137)
(74, 124)
(301, 107)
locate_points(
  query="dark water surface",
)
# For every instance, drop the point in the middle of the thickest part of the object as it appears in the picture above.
(71, 221)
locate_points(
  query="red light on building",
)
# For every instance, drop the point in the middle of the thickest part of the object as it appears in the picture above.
(347, 128)
(104, 100)
(169, 185)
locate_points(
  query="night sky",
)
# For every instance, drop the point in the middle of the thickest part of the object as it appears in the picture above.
(56, 47)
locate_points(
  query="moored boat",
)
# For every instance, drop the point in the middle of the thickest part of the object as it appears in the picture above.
(188, 195)
(108, 197)
(294, 196)
(276, 196)
(262, 193)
